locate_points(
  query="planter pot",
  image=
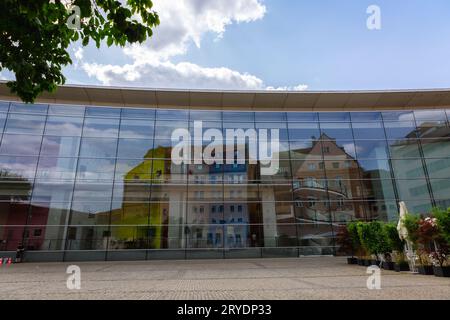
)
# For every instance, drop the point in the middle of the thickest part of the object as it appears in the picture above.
(426, 270)
(375, 262)
(366, 262)
(352, 260)
(401, 267)
(360, 262)
(441, 271)
(388, 265)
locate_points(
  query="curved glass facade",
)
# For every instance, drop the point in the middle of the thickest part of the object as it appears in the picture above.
(82, 183)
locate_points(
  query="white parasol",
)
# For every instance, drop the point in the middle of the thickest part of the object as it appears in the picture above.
(403, 235)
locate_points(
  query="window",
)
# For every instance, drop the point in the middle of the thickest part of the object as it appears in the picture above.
(100, 127)
(311, 166)
(25, 123)
(335, 165)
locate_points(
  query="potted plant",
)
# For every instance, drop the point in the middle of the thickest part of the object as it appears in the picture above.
(441, 241)
(352, 229)
(367, 238)
(425, 235)
(395, 245)
(345, 242)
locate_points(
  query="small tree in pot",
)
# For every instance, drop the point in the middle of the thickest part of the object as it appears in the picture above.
(352, 229)
(345, 243)
(440, 227)
(394, 243)
(367, 239)
(397, 260)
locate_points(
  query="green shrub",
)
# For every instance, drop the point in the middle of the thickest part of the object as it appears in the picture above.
(354, 237)
(443, 222)
(411, 224)
(392, 237)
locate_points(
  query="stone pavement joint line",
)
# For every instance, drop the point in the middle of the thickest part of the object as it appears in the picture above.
(246, 279)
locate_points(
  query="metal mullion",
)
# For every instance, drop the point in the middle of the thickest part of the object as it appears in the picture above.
(391, 167)
(151, 186)
(69, 219)
(327, 188)
(292, 184)
(35, 174)
(424, 165)
(113, 187)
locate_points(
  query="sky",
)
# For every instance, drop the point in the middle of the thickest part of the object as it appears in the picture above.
(279, 45)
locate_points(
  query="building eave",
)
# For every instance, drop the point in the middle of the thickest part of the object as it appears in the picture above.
(261, 100)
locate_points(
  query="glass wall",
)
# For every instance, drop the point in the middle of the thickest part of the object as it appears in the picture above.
(101, 181)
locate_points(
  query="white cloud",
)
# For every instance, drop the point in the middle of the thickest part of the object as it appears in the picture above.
(300, 87)
(183, 23)
(186, 21)
(165, 74)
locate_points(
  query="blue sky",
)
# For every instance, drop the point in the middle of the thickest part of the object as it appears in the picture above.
(280, 44)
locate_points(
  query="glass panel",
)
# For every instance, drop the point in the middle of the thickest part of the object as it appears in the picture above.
(24, 123)
(378, 189)
(302, 116)
(52, 191)
(343, 169)
(131, 192)
(103, 112)
(441, 188)
(229, 116)
(315, 234)
(347, 210)
(371, 149)
(15, 144)
(66, 110)
(95, 169)
(50, 213)
(92, 192)
(172, 114)
(142, 129)
(438, 168)
(241, 193)
(16, 191)
(90, 213)
(430, 129)
(164, 171)
(402, 149)
(368, 130)
(334, 116)
(303, 131)
(97, 127)
(237, 173)
(336, 130)
(338, 149)
(437, 115)
(138, 113)
(308, 169)
(28, 108)
(98, 147)
(2, 121)
(270, 116)
(398, 115)
(130, 237)
(400, 130)
(365, 116)
(87, 238)
(4, 106)
(412, 189)
(134, 169)
(131, 148)
(305, 150)
(60, 146)
(375, 169)
(56, 168)
(205, 115)
(17, 167)
(408, 169)
(63, 126)
(198, 192)
(164, 129)
(168, 192)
